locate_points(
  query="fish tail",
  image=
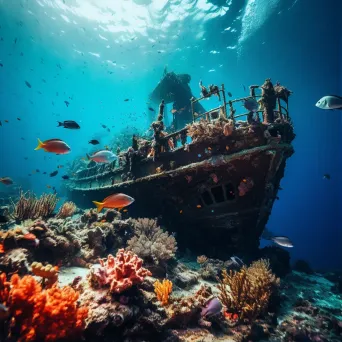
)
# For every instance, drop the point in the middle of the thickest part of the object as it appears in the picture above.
(40, 145)
(88, 157)
(99, 205)
(60, 124)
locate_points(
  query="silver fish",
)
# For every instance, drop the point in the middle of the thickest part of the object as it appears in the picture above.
(283, 241)
(330, 102)
(237, 261)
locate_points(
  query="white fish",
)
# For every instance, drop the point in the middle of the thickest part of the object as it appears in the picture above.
(104, 156)
(282, 241)
(330, 102)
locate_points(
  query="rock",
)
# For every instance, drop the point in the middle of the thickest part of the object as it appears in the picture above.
(302, 266)
(190, 335)
(16, 260)
(279, 259)
(183, 277)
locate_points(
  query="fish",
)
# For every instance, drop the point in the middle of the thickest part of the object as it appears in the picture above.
(125, 100)
(59, 166)
(28, 84)
(151, 109)
(173, 111)
(1, 65)
(69, 124)
(0, 123)
(65, 177)
(54, 146)
(4, 312)
(44, 173)
(104, 126)
(37, 170)
(237, 261)
(53, 174)
(244, 87)
(6, 121)
(115, 201)
(326, 176)
(94, 142)
(6, 180)
(67, 103)
(103, 156)
(212, 307)
(330, 102)
(229, 94)
(251, 104)
(283, 241)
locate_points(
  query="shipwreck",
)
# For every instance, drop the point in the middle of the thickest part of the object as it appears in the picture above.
(214, 181)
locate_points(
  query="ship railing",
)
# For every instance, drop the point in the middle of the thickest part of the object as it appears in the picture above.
(280, 110)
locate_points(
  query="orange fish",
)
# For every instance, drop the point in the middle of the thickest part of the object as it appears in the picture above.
(57, 146)
(115, 201)
(173, 111)
(6, 180)
(29, 236)
(198, 206)
(2, 249)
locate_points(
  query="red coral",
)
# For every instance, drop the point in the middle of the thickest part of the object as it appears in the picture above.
(120, 272)
(40, 315)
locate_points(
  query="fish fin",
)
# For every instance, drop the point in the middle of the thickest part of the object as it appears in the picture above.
(88, 157)
(40, 145)
(99, 205)
(340, 97)
(60, 124)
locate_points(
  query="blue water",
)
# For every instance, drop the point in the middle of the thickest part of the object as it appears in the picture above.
(112, 50)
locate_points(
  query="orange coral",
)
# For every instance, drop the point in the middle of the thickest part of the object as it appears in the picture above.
(41, 315)
(163, 290)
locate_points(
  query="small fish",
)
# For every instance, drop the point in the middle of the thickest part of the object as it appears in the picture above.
(237, 261)
(37, 170)
(48, 186)
(326, 176)
(212, 307)
(173, 111)
(65, 177)
(6, 121)
(229, 94)
(1, 65)
(244, 87)
(151, 109)
(125, 100)
(0, 123)
(69, 124)
(53, 174)
(283, 241)
(18, 119)
(59, 166)
(94, 142)
(330, 102)
(108, 129)
(28, 84)
(104, 126)
(251, 104)
(67, 103)
(6, 180)
(57, 146)
(4, 312)
(44, 173)
(103, 156)
(115, 201)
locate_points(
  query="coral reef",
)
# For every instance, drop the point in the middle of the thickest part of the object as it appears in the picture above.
(246, 293)
(40, 315)
(150, 242)
(30, 207)
(66, 210)
(206, 131)
(120, 272)
(163, 290)
(48, 273)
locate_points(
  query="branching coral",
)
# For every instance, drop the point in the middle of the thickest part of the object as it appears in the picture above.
(66, 210)
(151, 242)
(163, 290)
(120, 272)
(246, 293)
(31, 207)
(204, 130)
(40, 315)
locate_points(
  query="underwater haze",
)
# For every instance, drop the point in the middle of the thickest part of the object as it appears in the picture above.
(80, 59)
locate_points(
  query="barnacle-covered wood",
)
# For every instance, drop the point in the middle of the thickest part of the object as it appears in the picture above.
(151, 242)
(247, 292)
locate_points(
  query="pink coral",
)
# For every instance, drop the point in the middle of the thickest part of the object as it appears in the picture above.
(120, 272)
